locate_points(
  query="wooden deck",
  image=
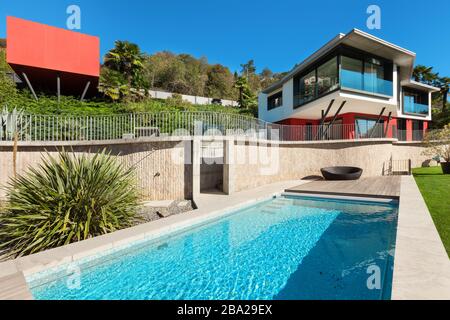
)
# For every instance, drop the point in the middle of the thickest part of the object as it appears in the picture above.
(379, 187)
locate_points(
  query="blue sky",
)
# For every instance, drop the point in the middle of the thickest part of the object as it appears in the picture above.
(276, 34)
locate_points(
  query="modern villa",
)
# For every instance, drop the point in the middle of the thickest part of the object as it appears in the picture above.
(357, 83)
(321, 198)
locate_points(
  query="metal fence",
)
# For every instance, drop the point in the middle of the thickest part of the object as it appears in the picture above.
(135, 126)
(127, 126)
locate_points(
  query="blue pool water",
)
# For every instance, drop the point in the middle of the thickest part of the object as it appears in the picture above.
(285, 248)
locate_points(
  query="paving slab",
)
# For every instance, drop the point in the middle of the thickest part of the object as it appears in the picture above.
(421, 266)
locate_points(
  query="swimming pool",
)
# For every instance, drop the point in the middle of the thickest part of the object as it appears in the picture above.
(285, 248)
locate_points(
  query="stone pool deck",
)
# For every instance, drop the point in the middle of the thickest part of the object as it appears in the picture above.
(422, 266)
(421, 271)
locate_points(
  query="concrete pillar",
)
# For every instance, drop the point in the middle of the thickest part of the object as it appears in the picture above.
(228, 166)
(409, 130)
(348, 121)
(196, 158)
(196, 161)
(390, 128)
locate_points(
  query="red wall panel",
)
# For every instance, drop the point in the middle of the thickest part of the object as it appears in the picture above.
(38, 45)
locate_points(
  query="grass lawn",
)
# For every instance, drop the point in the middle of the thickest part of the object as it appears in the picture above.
(435, 188)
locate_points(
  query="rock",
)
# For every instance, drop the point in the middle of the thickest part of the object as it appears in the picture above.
(159, 204)
(183, 204)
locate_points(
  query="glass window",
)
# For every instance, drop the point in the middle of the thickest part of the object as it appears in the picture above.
(417, 130)
(369, 75)
(401, 129)
(352, 73)
(368, 128)
(335, 131)
(415, 102)
(275, 101)
(374, 76)
(308, 87)
(327, 76)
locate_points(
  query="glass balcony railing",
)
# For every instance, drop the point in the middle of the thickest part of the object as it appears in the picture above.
(409, 106)
(365, 82)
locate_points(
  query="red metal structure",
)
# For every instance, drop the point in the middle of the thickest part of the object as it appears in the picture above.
(53, 59)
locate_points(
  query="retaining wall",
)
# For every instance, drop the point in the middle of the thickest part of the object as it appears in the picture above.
(247, 164)
(158, 177)
(297, 161)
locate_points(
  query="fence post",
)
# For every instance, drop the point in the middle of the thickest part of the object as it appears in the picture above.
(410, 166)
(198, 128)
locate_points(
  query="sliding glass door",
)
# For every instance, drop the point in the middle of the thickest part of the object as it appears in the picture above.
(368, 128)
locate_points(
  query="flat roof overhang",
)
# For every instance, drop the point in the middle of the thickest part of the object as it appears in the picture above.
(360, 40)
(419, 86)
(313, 110)
(402, 57)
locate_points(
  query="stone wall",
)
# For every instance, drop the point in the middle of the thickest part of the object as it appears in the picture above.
(297, 161)
(247, 165)
(159, 177)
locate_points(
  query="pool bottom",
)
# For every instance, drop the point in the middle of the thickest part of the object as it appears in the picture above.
(288, 248)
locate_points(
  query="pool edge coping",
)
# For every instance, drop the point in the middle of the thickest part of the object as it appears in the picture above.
(421, 264)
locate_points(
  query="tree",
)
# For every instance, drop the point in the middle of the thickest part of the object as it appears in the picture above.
(113, 84)
(185, 74)
(249, 72)
(126, 58)
(248, 68)
(247, 99)
(267, 78)
(219, 83)
(121, 75)
(8, 89)
(438, 145)
(444, 84)
(167, 72)
(195, 74)
(424, 74)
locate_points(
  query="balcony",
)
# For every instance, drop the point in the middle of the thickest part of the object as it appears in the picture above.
(366, 83)
(410, 106)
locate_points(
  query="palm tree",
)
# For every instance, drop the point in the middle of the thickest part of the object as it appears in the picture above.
(444, 84)
(424, 74)
(126, 58)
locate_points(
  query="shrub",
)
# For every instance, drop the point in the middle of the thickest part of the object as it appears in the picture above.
(66, 199)
(438, 143)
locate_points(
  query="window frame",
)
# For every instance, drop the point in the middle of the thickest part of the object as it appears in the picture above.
(273, 97)
(332, 55)
(338, 53)
(406, 90)
(374, 119)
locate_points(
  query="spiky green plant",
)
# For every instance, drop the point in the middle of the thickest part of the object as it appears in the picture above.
(68, 198)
